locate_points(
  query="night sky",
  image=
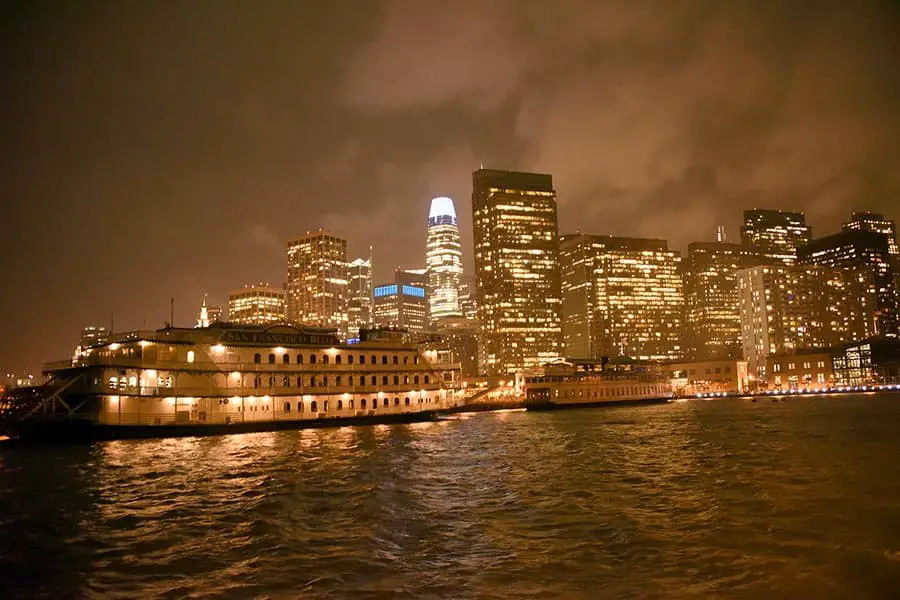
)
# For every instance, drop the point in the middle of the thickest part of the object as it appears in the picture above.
(159, 149)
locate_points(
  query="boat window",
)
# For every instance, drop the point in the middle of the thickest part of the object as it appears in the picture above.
(287, 407)
(190, 356)
(350, 380)
(386, 403)
(349, 359)
(337, 380)
(362, 359)
(313, 407)
(351, 403)
(384, 380)
(325, 381)
(257, 358)
(415, 360)
(384, 359)
(286, 358)
(300, 406)
(374, 402)
(396, 380)
(337, 359)
(426, 379)
(286, 381)
(340, 404)
(406, 401)
(299, 359)
(312, 381)
(374, 380)
(396, 401)
(373, 359)
(405, 359)
(271, 359)
(415, 379)
(406, 379)
(271, 381)
(256, 381)
(396, 359)
(324, 359)
(362, 403)
(312, 359)
(299, 381)
(325, 406)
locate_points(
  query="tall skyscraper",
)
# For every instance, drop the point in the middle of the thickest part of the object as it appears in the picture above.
(775, 234)
(318, 281)
(863, 249)
(516, 269)
(468, 303)
(620, 297)
(93, 335)
(788, 308)
(404, 303)
(258, 304)
(712, 313)
(443, 259)
(359, 306)
(876, 223)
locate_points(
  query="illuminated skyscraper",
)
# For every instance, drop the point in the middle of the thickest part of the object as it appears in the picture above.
(862, 249)
(208, 314)
(775, 234)
(257, 304)
(876, 223)
(359, 306)
(317, 281)
(712, 313)
(787, 308)
(443, 259)
(516, 269)
(94, 336)
(467, 297)
(620, 297)
(404, 303)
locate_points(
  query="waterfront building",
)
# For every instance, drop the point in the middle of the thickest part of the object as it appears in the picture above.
(461, 337)
(317, 281)
(775, 234)
(862, 249)
(517, 273)
(443, 259)
(359, 305)
(713, 376)
(621, 297)
(864, 362)
(402, 304)
(467, 297)
(789, 308)
(258, 304)
(800, 369)
(94, 335)
(712, 315)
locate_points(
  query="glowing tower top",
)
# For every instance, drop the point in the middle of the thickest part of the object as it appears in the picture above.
(443, 257)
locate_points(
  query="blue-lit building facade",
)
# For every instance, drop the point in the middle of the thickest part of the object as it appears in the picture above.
(402, 304)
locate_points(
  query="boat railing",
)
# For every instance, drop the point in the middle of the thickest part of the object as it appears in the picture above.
(258, 392)
(227, 367)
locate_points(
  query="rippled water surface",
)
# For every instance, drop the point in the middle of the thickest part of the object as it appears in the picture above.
(799, 499)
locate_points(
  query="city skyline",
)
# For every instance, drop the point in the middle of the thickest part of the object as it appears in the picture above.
(126, 190)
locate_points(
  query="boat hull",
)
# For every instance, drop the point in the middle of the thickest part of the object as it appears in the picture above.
(543, 406)
(79, 431)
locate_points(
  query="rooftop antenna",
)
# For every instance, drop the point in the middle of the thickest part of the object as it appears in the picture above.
(481, 165)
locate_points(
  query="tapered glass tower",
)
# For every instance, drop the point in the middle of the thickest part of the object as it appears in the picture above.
(443, 257)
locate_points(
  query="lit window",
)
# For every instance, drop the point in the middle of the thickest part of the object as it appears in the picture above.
(190, 356)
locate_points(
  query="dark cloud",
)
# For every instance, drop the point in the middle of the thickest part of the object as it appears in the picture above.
(162, 149)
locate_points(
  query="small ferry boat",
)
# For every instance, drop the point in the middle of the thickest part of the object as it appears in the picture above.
(574, 384)
(232, 378)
